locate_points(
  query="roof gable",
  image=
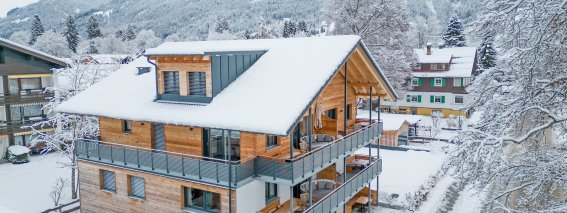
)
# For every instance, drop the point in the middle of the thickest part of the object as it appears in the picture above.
(268, 98)
(30, 51)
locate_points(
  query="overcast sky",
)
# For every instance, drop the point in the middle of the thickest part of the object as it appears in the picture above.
(7, 5)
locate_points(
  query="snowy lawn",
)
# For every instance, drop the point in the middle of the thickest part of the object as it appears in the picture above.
(26, 187)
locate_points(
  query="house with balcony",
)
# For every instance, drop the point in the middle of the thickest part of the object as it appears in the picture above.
(439, 81)
(233, 126)
(25, 73)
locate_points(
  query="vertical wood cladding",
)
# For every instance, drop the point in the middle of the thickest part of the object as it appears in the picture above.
(161, 194)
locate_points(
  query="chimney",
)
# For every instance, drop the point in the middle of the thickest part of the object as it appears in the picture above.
(429, 48)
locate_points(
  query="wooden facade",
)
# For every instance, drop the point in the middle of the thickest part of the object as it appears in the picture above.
(184, 65)
(390, 137)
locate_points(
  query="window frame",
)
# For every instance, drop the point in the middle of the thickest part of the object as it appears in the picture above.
(126, 126)
(462, 99)
(178, 90)
(185, 190)
(204, 89)
(457, 82)
(271, 141)
(331, 113)
(268, 192)
(416, 98)
(103, 186)
(435, 99)
(131, 186)
(416, 82)
(348, 111)
(435, 82)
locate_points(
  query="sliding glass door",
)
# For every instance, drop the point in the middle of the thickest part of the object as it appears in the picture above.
(215, 144)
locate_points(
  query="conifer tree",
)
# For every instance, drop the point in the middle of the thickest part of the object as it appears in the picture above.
(92, 48)
(71, 33)
(454, 36)
(93, 30)
(36, 30)
(221, 25)
(130, 34)
(119, 34)
(487, 53)
(289, 29)
(301, 26)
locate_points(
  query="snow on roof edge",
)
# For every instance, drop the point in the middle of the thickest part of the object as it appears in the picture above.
(46, 56)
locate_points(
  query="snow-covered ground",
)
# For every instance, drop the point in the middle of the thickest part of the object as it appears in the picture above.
(26, 187)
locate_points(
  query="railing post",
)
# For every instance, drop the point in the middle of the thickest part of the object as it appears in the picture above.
(87, 145)
(111, 155)
(166, 164)
(98, 150)
(124, 156)
(152, 159)
(182, 166)
(199, 164)
(274, 168)
(217, 173)
(138, 158)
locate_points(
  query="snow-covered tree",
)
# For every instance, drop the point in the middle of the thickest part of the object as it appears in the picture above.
(111, 45)
(289, 29)
(265, 31)
(221, 25)
(517, 152)
(70, 128)
(130, 34)
(487, 52)
(302, 27)
(20, 37)
(384, 27)
(36, 29)
(71, 33)
(92, 48)
(93, 30)
(53, 43)
(454, 35)
(173, 38)
(145, 39)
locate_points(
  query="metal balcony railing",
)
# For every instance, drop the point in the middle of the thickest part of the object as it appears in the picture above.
(179, 165)
(25, 97)
(346, 191)
(20, 126)
(293, 171)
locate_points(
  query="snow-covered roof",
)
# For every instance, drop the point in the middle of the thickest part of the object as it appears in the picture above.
(461, 58)
(390, 121)
(268, 98)
(31, 51)
(106, 58)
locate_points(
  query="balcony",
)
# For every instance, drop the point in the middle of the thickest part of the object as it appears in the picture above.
(293, 171)
(343, 193)
(19, 126)
(176, 165)
(26, 97)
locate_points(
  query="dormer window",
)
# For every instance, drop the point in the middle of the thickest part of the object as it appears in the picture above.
(171, 82)
(197, 84)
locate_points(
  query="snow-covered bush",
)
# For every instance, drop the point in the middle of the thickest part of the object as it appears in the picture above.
(18, 154)
(415, 200)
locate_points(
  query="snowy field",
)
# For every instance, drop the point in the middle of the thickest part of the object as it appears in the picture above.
(26, 187)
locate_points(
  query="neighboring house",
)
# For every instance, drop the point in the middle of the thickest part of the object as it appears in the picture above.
(396, 127)
(24, 75)
(438, 82)
(107, 59)
(232, 126)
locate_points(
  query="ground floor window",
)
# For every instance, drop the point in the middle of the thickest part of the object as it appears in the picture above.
(271, 191)
(459, 99)
(202, 200)
(137, 187)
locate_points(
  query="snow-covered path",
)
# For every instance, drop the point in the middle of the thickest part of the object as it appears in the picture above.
(26, 187)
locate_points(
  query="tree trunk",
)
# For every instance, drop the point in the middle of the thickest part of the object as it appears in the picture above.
(74, 180)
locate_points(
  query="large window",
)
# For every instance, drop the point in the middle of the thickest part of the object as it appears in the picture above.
(271, 141)
(108, 180)
(31, 84)
(332, 113)
(201, 200)
(271, 191)
(197, 84)
(171, 82)
(459, 99)
(216, 144)
(137, 187)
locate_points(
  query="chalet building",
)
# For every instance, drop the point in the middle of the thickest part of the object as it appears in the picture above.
(24, 75)
(439, 82)
(233, 126)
